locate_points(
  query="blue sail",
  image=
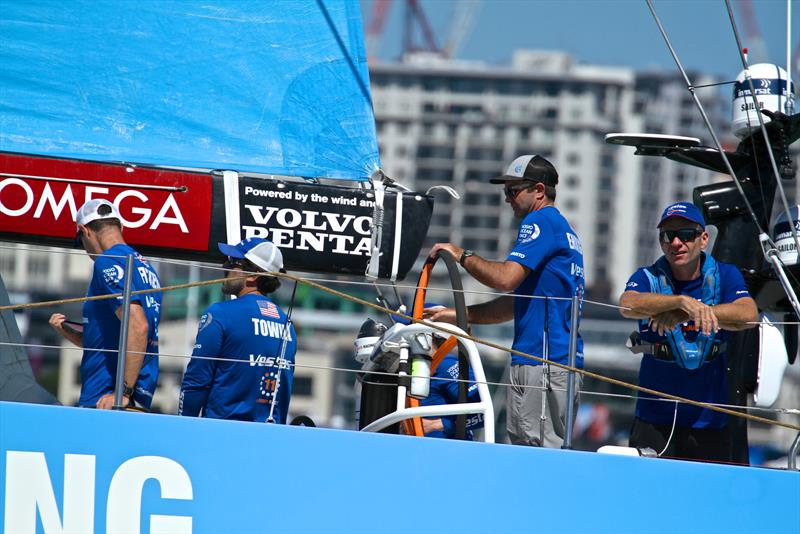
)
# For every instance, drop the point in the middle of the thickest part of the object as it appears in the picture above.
(277, 87)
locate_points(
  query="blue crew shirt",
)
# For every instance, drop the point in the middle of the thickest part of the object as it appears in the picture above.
(446, 392)
(547, 245)
(707, 383)
(101, 327)
(245, 336)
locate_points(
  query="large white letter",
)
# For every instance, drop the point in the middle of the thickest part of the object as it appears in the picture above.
(144, 212)
(28, 197)
(161, 218)
(57, 207)
(28, 489)
(125, 495)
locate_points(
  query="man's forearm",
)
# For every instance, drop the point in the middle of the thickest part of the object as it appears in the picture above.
(487, 272)
(495, 311)
(737, 314)
(645, 305)
(137, 344)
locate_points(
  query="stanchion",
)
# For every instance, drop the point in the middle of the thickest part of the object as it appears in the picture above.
(793, 453)
(573, 355)
(123, 335)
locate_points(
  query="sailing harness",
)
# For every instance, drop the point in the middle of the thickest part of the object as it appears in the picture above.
(687, 354)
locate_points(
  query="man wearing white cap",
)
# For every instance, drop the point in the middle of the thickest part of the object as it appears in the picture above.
(243, 359)
(547, 261)
(100, 233)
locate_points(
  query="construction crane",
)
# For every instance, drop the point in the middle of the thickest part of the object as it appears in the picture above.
(755, 42)
(414, 16)
(463, 18)
(415, 21)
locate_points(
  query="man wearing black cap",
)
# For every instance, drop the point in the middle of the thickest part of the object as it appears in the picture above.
(242, 366)
(547, 261)
(687, 303)
(100, 233)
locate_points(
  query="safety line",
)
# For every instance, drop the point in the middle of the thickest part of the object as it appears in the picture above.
(787, 411)
(351, 282)
(430, 325)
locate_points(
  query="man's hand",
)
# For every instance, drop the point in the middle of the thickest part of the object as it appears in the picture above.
(667, 321)
(106, 402)
(441, 315)
(454, 250)
(57, 322)
(432, 425)
(703, 316)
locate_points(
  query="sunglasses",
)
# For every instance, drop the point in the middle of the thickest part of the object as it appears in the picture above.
(234, 263)
(686, 235)
(511, 191)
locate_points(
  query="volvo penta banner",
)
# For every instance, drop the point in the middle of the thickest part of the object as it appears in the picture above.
(183, 215)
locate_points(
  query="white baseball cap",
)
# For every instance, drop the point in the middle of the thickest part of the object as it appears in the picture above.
(264, 254)
(91, 211)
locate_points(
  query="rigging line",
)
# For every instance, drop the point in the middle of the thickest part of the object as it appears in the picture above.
(333, 281)
(761, 123)
(788, 411)
(49, 250)
(705, 119)
(702, 85)
(430, 325)
(307, 281)
(47, 303)
(371, 284)
(487, 343)
(761, 184)
(176, 189)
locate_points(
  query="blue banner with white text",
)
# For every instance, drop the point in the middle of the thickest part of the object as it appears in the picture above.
(82, 470)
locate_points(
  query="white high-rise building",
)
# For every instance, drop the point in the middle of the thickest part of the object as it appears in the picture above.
(460, 123)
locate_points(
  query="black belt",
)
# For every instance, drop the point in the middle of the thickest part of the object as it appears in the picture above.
(663, 351)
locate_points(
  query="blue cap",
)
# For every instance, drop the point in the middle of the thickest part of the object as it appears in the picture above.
(684, 210)
(239, 250)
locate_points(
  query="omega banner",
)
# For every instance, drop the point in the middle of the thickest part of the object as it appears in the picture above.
(183, 215)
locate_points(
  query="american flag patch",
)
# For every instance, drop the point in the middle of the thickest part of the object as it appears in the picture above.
(268, 309)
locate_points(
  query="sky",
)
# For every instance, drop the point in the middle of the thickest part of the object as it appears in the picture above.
(604, 32)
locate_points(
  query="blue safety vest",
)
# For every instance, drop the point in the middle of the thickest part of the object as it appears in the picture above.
(689, 355)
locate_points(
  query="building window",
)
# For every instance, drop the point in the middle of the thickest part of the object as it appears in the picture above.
(303, 386)
(572, 181)
(573, 158)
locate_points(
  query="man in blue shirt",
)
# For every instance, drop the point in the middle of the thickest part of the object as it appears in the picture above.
(547, 261)
(100, 233)
(444, 390)
(687, 304)
(242, 366)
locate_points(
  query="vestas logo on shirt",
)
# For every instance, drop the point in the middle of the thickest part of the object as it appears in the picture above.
(631, 285)
(113, 274)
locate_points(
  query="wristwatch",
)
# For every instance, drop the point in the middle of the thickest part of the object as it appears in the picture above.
(464, 255)
(127, 391)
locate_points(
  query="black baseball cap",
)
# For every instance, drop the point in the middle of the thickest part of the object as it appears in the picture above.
(532, 167)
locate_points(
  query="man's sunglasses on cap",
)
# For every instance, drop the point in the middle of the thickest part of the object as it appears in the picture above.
(686, 235)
